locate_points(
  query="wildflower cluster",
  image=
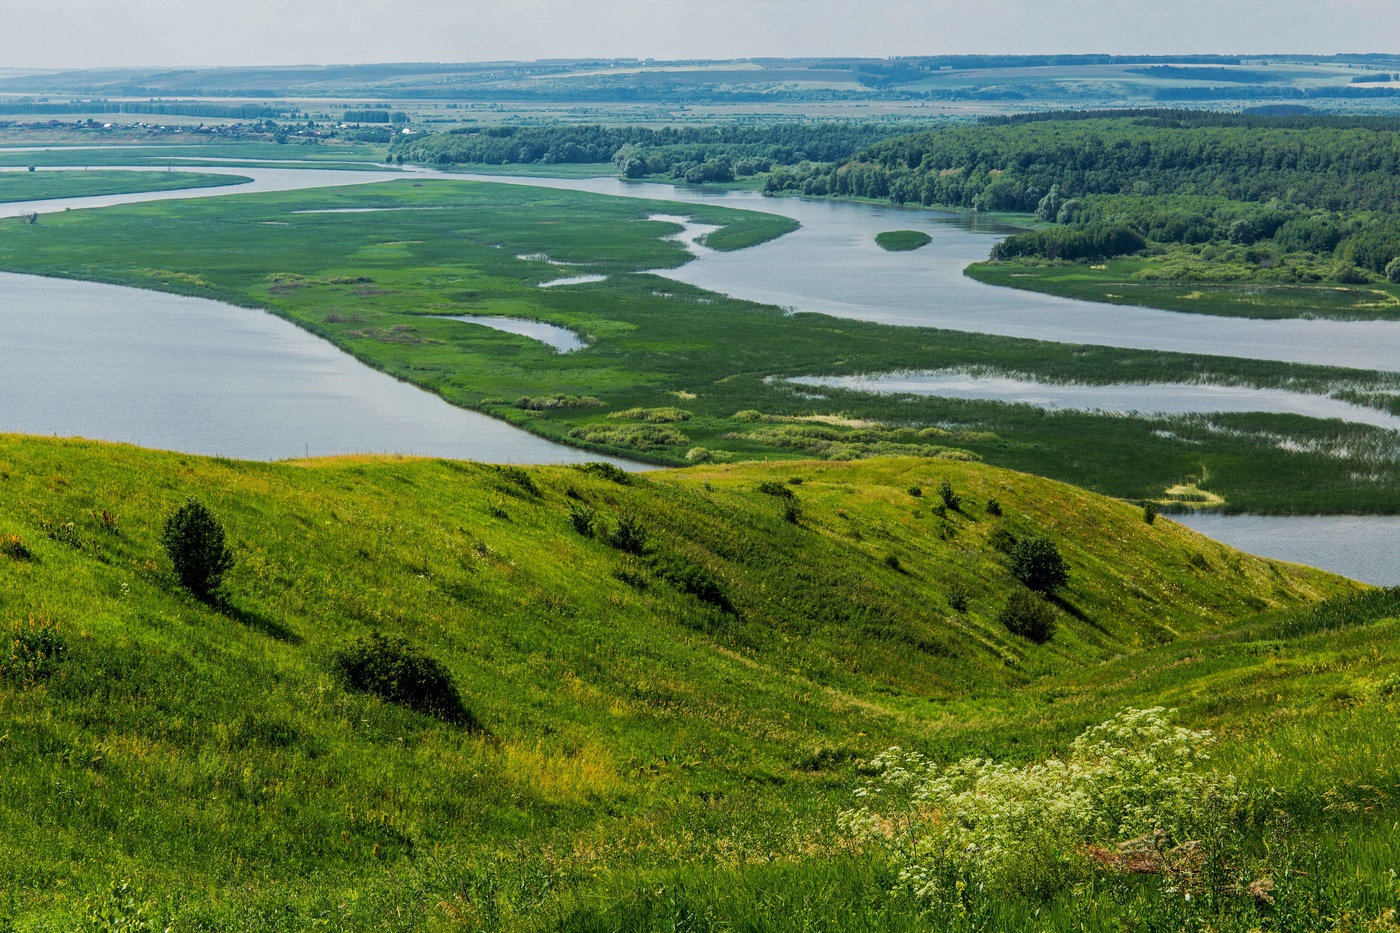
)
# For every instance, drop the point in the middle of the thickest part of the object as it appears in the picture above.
(1132, 788)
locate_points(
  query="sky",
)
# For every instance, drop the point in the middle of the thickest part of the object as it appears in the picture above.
(102, 33)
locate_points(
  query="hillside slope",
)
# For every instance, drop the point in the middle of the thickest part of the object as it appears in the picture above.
(699, 702)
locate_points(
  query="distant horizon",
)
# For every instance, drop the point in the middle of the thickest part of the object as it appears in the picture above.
(65, 35)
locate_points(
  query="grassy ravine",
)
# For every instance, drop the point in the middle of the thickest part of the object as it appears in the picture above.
(902, 241)
(37, 186)
(647, 757)
(1119, 281)
(377, 284)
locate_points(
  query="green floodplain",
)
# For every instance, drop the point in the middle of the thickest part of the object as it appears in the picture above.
(46, 185)
(674, 374)
(671, 681)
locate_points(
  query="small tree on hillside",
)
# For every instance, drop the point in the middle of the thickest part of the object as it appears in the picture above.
(194, 540)
(1037, 563)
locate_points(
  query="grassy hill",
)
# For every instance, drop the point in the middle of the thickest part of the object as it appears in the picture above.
(670, 718)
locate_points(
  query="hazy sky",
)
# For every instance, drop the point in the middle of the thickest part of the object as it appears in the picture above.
(93, 33)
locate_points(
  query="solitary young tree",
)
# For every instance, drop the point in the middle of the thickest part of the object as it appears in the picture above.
(194, 540)
(1037, 563)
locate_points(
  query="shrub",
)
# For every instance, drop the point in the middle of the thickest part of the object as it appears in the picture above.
(892, 562)
(951, 499)
(957, 600)
(1002, 540)
(699, 455)
(1027, 616)
(983, 829)
(916, 491)
(581, 517)
(194, 541)
(748, 415)
(31, 652)
(13, 547)
(398, 672)
(792, 512)
(643, 437)
(629, 535)
(1037, 563)
(693, 578)
(993, 506)
(774, 488)
(1392, 271)
(1149, 512)
(652, 415)
(519, 478)
(607, 471)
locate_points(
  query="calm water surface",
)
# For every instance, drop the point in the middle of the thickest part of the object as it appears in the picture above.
(1361, 547)
(167, 371)
(561, 339)
(1128, 398)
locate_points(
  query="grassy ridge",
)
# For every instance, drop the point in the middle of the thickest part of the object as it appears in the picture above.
(211, 757)
(379, 283)
(37, 186)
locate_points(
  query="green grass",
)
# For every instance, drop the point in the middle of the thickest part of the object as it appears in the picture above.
(1119, 281)
(636, 739)
(655, 343)
(902, 241)
(38, 186)
(187, 145)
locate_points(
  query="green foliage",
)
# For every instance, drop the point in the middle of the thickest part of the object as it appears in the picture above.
(777, 489)
(1002, 539)
(639, 437)
(608, 471)
(916, 491)
(396, 671)
(1027, 616)
(994, 506)
(1149, 512)
(118, 912)
(556, 402)
(1095, 242)
(1036, 562)
(581, 518)
(652, 415)
(992, 830)
(950, 498)
(693, 578)
(629, 535)
(194, 542)
(902, 241)
(31, 652)
(1392, 271)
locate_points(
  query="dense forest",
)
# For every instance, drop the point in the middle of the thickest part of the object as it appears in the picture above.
(1313, 188)
(696, 154)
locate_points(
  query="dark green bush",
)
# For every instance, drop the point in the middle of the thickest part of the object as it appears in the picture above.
(892, 562)
(31, 652)
(1149, 512)
(581, 517)
(792, 512)
(775, 488)
(1037, 563)
(957, 600)
(1028, 616)
(629, 535)
(1002, 540)
(993, 506)
(916, 491)
(398, 672)
(951, 499)
(607, 471)
(695, 579)
(519, 478)
(194, 541)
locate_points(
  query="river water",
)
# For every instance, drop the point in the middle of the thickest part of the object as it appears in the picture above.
(99, 361)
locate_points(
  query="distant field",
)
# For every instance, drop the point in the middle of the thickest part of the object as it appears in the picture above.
(36, 186)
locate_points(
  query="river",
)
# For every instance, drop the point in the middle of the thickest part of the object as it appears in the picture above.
(100, 361)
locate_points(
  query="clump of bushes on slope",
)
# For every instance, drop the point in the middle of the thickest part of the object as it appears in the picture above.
(399, 672)
(1037, 563)
(1028, 616)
